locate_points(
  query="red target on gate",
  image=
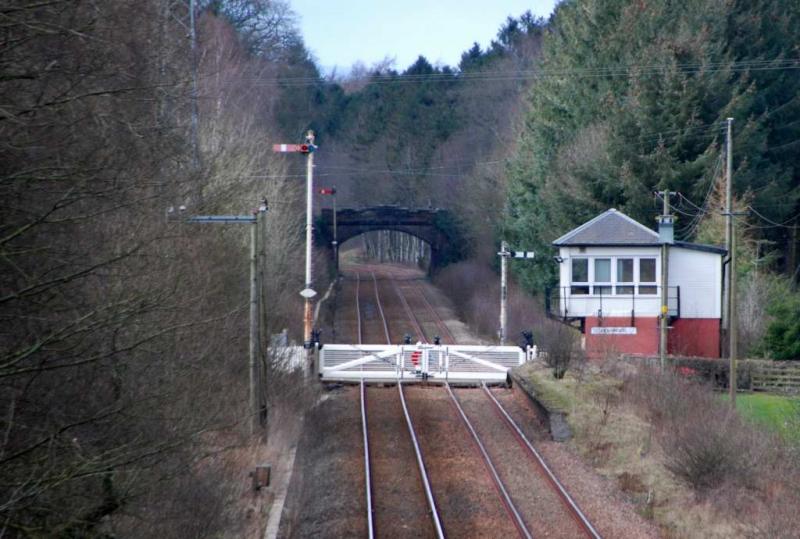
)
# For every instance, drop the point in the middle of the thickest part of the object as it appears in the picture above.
(416, 355)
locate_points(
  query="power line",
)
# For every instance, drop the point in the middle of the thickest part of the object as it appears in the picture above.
(692, 226)
(499, 76)
(773, 223)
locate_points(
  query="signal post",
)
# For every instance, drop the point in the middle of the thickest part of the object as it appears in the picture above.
(308, 293)
(504, 254)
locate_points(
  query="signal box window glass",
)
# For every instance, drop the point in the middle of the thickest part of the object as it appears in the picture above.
(602, 276)
(647, 276)
(625, 276)
(593, 276)
(580, 276)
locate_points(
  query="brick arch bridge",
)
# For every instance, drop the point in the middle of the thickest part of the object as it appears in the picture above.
(436, 227)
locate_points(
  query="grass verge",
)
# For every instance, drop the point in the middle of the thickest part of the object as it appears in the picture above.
(776, 412)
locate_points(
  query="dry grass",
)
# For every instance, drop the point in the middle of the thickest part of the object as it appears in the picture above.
(621, 437)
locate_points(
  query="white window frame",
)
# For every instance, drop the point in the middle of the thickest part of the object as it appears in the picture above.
(614, 284)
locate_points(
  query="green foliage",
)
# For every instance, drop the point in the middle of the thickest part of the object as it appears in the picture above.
(631, 100)
(782, 340)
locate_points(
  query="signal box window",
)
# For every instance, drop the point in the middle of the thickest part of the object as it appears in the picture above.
(647, 276)
(602, 276)
(580, 276)
(624, 276)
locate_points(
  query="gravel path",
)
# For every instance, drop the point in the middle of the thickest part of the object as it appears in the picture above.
(541, 508)
(468, 502)
(598, 497)
(398, 498)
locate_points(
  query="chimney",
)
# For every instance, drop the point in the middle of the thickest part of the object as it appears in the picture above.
(666, 232)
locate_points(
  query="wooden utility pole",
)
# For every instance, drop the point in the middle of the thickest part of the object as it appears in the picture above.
(255, 327)
(263, 321)
(194, 94)
(730, 236)
(666, 235)
(254, 317)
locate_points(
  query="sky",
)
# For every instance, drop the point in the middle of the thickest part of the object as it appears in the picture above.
(341, 32)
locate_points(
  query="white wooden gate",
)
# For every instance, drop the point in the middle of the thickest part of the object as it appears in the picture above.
(345, 362)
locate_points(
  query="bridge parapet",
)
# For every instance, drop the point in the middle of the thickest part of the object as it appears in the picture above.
(437, 227)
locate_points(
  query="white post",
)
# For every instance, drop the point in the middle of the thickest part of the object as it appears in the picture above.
(307, 317)
(503, 291)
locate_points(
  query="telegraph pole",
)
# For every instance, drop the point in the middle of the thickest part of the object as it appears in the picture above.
(195, 111)
(730, 237)
(255, 333)
(255, 345)
(263, 320)
(666, 235)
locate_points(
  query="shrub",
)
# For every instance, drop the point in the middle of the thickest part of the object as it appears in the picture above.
(560, 344)
(705, 442)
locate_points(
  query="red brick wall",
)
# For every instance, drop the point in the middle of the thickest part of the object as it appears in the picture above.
(644, 342)
(696, 337)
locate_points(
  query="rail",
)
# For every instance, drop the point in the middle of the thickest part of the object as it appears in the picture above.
(498, 483)
(358, 307)
(437, 523)
(570, 504)
(368, 472)
(409, 313)
(380, 309)
(444, 331)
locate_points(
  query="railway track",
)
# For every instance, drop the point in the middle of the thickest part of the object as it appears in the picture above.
(431, 503)
(569, 504)
(398, 503)
(370, 328)
(421, 304)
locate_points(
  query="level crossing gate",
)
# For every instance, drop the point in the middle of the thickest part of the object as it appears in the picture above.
(452, 363)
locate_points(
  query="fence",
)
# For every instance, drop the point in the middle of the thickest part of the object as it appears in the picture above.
(775, 376)
(752, 374)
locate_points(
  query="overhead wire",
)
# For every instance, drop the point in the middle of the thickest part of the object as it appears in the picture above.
(689, 230)
(773, 224)
(499, 76)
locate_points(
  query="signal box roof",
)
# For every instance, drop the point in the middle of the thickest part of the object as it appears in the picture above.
(614, 228)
